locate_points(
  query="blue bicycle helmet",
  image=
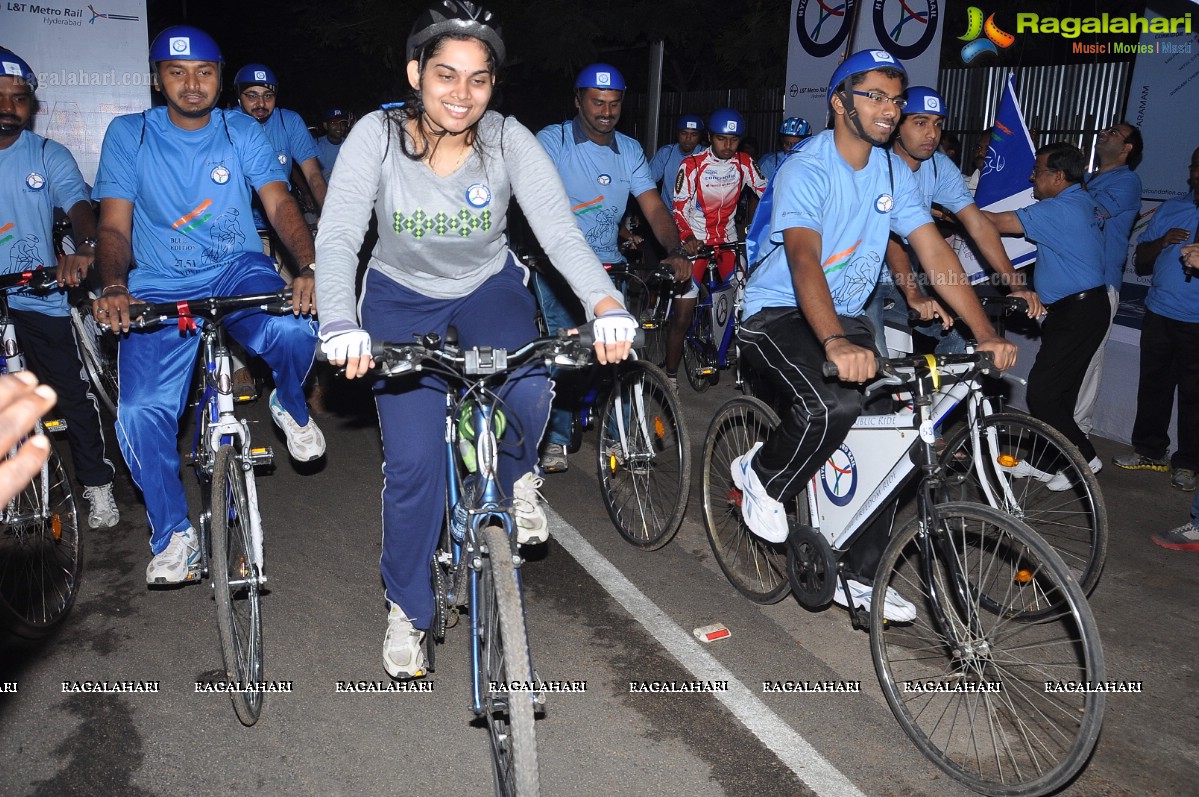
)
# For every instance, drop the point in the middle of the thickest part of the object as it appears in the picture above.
(600, 76)
(12, 65)
(184, 43)
(861, 62)
(690, 121)
(795, 126)
(460, 17)
(256, 75)
(726, 122)
(922, 99)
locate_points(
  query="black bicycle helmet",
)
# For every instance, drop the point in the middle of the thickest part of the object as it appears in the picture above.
(456, 16)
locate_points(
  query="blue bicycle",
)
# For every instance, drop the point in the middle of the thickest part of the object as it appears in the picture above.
(711, 342)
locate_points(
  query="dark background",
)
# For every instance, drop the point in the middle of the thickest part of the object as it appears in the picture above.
(352, 53)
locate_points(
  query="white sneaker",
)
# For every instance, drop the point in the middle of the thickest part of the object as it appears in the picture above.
(102, 512)
(1022, 470)
(304, 443)
(403, 646)
(895, 608)
(1061, 482)
(532, 527)
(178, 563)
(763, 515)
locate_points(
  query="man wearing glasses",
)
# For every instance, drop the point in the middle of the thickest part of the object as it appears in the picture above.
(820, 235)
(1117, 188)
(1067, 225)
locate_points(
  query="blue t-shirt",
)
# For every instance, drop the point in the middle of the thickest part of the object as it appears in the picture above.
(190, 190)
(854, 212)
(598, 181)
(37, 175)
(665, 166)
(940, 181)
(769, 163)
(1118, 191)
(1068, 232)
(327, 152)
(292, 143)
(1170, 295)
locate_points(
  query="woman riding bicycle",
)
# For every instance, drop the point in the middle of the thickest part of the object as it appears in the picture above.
(439, 171)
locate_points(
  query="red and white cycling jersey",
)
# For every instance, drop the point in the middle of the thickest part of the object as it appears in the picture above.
(706, 192)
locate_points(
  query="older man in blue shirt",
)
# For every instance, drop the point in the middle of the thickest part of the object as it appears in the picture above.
(1067, 227)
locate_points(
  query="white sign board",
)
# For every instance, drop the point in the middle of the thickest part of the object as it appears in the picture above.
(92, 65)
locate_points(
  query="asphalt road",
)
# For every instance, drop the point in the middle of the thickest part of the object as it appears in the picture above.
(324, 621)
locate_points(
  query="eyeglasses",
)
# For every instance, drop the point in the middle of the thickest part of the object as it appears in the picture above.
(1115, 131)
(878, 98)
(1038, 171)
(254, 96)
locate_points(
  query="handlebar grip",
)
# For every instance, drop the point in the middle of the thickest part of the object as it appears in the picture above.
(587, 336)
(829, 369)
(1018, 304)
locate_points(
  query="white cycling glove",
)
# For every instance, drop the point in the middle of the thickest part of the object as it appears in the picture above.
(340, 345)
(615, 326)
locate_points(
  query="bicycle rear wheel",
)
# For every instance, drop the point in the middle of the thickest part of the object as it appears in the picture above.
(757, 568)
(1000, 623)
(98, 351)
(698, 359)
(1029, 470)
(645, 477)
(505, 658)
(41, 554)
(236, 581)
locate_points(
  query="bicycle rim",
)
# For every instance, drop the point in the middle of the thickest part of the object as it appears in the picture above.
(1021, 459)
(757, 568)
(236, 583)
(98, 351)
(505, 656)
(967, 679)
(644, 478)
(41, 554)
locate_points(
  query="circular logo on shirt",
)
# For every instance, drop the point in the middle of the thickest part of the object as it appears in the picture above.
(478, 195)
(884, 203)
(282, 159)
(604, 179)
(220, 175)
(839, 476)
(35, 181)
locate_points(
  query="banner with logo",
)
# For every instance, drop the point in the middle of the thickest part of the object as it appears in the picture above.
(1004, 183)
(1165, 86)
(91, 63)
(823, 31)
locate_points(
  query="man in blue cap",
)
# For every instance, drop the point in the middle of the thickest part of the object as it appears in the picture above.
(337, 127)
(665, 163)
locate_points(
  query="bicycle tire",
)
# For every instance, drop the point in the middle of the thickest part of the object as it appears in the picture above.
(98, 352)
(505, 659)
(1073, 520)
(645, 483)
(41, 554)
(696, 346)
(755, 567)
(236, 581)
(981, 672)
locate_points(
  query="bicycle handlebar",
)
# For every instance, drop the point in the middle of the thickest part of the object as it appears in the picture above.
(889, 368)
(707, 250)
(212, 308)
(35, 278)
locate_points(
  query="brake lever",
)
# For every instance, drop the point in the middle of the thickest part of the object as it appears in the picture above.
(890, 379)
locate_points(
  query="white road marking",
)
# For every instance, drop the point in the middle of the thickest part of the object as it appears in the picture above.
(791, 748)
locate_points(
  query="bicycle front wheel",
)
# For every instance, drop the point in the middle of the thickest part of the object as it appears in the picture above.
(236, 581)
(98, 351)
(504, 644)
(991, 679)
(1028, 469)
(757, 568)
(41, 554)
(644, 456)
(697, 352)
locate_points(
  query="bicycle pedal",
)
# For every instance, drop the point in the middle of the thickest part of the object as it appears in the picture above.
(56, 425)
(261, 455)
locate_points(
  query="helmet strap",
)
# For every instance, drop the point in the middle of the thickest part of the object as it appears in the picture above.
(851, 113)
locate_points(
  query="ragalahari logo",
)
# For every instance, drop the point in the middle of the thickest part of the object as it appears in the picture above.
(993, 39)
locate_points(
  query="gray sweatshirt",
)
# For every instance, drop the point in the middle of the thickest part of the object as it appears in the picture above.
(444, 236)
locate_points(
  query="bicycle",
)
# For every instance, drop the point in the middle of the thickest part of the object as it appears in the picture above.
(41, 548)
(710, 344)
(224, 458)
(477, 562)
(997, 611)
(1023, 466)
